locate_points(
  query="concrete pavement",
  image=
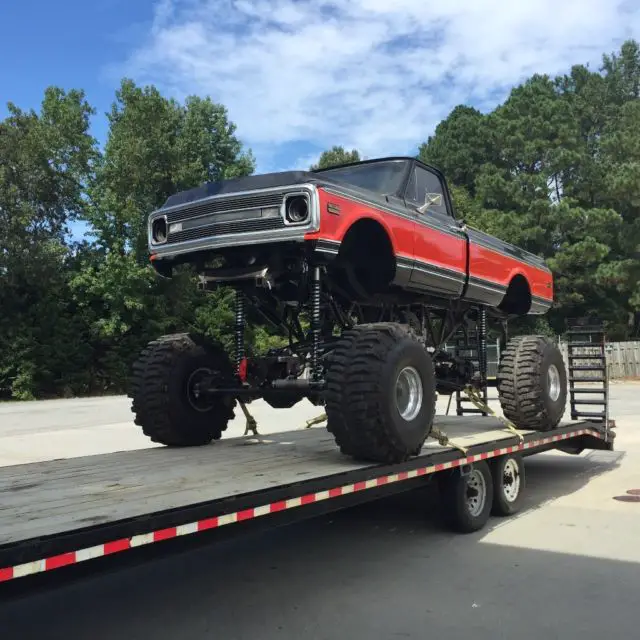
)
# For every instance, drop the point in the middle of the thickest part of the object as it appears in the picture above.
(51, 429)
(47, 430)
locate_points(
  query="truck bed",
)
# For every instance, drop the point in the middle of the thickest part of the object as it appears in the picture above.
(63, 511)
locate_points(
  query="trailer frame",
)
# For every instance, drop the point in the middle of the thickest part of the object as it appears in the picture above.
(282, 503)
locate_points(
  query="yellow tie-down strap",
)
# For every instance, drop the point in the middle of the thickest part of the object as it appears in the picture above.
(441, 436)
(473, 396)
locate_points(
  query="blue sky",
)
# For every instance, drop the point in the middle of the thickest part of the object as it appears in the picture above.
(71, 43)
(301, 75)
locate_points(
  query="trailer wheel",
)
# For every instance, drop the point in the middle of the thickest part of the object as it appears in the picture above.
(508, 485)
(164, 401)
(467, 499)
(532, 383)
(381, 393)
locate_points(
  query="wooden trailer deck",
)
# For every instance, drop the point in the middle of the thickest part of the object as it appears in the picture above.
(46, 499)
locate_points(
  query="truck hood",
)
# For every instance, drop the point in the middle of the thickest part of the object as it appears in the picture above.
(247, 183)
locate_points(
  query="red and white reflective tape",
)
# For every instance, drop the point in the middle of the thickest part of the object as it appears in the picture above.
(123, 544)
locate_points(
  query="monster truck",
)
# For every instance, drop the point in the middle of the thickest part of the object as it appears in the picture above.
(367, 272)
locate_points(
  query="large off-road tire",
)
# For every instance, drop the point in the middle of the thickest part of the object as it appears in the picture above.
(161, 391)
(532, 383)
(380, 398)
(336, 400)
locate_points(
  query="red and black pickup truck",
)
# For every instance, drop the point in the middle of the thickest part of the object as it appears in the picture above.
(368, 274)
(394, 214)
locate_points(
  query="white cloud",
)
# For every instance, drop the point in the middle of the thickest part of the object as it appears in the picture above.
(376, 75)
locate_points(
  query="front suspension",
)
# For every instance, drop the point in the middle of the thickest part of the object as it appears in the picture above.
(316, 325)
(240, 322)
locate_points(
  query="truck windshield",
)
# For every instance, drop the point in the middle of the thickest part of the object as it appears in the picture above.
(383, 177)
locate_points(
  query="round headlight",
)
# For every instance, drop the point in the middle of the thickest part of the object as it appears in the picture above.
(159, 230)
(297, 209)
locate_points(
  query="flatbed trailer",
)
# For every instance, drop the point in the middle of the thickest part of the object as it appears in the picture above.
(64, 512)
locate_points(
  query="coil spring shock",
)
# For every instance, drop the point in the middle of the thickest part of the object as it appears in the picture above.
(316, 368)
(482, 343)
(239, 328)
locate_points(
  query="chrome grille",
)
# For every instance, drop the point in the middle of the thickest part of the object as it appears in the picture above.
(238, 226)
(220, 205)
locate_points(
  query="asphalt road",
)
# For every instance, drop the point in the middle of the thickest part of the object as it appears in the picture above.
(567, 567)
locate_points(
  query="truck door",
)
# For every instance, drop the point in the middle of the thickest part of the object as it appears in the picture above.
(440, 243)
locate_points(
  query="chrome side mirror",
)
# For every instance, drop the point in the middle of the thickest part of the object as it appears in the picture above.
(430, 199)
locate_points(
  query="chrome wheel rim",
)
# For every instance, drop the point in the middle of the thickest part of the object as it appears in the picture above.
(409, 393)
(476, 493)
(195, 399)
(553, 376)
(511, 480)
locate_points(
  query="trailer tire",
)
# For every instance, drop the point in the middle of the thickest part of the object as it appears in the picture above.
(467, 499)
(160, 390)
(532, 383)
(369, 367)
(508, 485)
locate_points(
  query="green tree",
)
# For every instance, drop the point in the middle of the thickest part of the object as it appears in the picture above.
(155, 147)
(606, 107)
(461, 144)
(622, 72)
(555, 170)
(46, 163)
(335, 156)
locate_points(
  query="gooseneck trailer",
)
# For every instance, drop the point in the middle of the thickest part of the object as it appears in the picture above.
(64, 512)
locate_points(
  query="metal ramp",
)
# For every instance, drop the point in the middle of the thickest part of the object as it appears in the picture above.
(473, 345)
(587, 371)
